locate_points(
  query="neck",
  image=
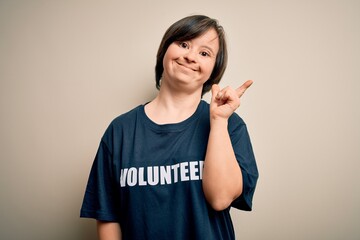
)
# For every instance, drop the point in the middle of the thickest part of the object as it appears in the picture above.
(172, 106)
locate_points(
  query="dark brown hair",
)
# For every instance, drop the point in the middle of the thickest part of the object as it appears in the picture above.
(189, 28)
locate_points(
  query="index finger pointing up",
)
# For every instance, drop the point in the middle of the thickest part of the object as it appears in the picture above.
(240, 90)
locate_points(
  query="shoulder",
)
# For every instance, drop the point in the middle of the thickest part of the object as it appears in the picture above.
(236, 119)
(204, 107)
(117, 126)
(236, 124)
(126, 117)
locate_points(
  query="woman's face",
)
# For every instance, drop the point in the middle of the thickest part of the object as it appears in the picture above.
(189, 64)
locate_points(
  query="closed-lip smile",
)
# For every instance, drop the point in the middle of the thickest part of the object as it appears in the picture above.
(186, 66)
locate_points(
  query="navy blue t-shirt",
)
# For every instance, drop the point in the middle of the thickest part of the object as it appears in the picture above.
(148, 177)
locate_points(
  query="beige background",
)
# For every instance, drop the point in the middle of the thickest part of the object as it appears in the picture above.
(67, 68)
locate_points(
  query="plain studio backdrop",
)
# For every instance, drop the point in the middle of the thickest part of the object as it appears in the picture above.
(67, 68)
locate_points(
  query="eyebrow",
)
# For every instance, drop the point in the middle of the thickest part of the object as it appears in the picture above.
(208, 47)
(203, 46)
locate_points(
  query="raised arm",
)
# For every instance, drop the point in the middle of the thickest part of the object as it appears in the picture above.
(222, 178)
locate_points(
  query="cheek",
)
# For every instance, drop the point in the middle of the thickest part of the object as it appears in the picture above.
(210, 68)
(165, 61)
(171, 51)
(168, 55)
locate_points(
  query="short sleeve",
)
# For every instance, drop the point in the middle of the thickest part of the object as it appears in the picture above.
(101, 194)
(245, 156)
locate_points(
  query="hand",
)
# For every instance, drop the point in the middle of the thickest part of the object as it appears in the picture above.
(224, 102)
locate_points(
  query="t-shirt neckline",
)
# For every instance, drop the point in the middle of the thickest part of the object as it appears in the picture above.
(171, 127)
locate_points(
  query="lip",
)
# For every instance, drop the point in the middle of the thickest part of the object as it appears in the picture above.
(186, 66)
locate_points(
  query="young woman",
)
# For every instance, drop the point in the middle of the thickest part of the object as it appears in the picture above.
(172, 168)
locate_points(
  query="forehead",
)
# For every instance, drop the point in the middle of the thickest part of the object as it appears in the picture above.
(209, 39)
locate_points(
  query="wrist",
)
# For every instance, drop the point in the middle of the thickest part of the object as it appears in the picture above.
(218, 122)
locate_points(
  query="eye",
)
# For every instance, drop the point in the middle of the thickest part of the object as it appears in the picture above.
(204, 54)
(184, 45)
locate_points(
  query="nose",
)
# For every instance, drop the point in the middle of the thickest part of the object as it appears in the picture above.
(190, 56)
